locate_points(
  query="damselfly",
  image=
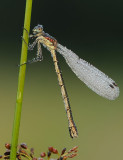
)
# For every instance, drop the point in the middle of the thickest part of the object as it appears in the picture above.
(91, 76)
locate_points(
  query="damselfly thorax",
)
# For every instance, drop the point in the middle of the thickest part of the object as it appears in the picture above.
(90, 75)
(49, 43)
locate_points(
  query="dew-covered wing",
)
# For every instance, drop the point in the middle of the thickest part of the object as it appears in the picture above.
(90, 75)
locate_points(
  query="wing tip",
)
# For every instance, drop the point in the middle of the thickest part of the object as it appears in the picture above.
(115, 93)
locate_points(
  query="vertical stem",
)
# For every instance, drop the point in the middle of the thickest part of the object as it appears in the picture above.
(21, 79)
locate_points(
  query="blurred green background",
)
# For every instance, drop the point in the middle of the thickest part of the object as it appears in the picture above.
(94, 31)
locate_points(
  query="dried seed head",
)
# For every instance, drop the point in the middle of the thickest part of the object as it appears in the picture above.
(43, 154)
(48, 154)
(55, 151)
(73, 149)
(18, 157)
(50, 149)
(23, 145)
(72, 155)
(63, 151)
(8, 146)
(1, 156)
(7, 153)
(32, 150)
(65, 157)
(23, 152)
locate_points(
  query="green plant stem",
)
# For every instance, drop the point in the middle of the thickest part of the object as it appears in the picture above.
(21, 80)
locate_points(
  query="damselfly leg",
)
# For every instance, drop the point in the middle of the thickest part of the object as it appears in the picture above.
(29, 35)
(39, 56)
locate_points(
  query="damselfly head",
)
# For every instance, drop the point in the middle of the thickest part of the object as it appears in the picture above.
(37, 29)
